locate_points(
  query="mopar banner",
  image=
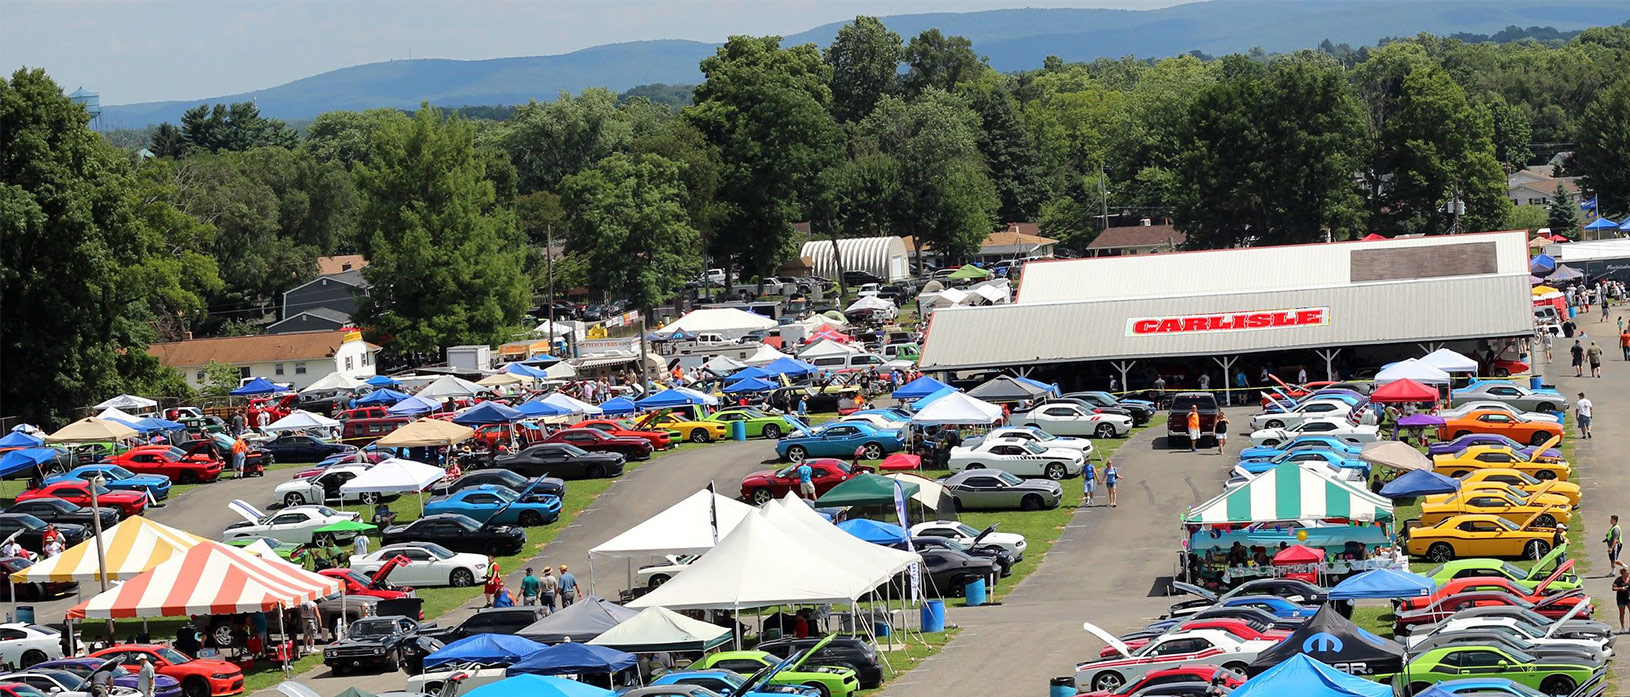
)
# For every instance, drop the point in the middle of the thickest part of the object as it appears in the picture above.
(900, 511)
(1229, 321)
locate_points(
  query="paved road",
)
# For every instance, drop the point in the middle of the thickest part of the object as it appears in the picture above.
(1101, 570)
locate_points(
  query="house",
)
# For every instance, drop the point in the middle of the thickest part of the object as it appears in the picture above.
(1016, 241)
(1136, 239)
(1535, 186)
(328, 266)
(297, 359)
(325, 302)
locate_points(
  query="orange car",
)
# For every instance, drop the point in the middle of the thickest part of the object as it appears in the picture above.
(1515, 427)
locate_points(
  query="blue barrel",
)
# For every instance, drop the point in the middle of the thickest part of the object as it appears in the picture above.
(974, 592)
(933, 616)
(1063, 686)
(1572, 313)
(25, 614)
(880, 629)
(738, 430)
(1535, 382)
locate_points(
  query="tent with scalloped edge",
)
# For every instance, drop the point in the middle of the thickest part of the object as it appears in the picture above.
(1292, 491)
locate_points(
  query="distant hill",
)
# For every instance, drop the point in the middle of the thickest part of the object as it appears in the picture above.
(1013, 39)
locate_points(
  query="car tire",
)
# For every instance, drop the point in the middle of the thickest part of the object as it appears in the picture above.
(198, 687)
(1440, 552)
(819, 688)
(1502, 372)
(1545, 521)
(796, 453)
(188, 477)
(219, 636)
(1538, 439)
(594, 471)
(1104, 431)
(461, 578)
(1270, 443)
(31, 657)
(1546, 408)
(1056, 471)
(656, 581)
(1535, 550)
(1235, 666)
(1276, 423)
(293, 499)
(1461, 434)
(772, 432)
(1545, 475)
(699, 435)
(1557, 685)
(872, 451)
(369, 497)
(762, 496)
(1107, 681)
(1030, 502)
(530, 519)
(974, 466)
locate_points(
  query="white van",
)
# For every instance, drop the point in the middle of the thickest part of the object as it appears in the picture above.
(848, 362)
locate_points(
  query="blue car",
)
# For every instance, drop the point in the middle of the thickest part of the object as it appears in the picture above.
(1334, 459)
(1271, 604)
(498, 504)
(1350, 397)
(840, 440)
(890, 413)
(1482, 687)
(1334, 443)
(119, 478)
(726, 682)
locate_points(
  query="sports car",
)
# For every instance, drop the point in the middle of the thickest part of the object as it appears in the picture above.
(498, 504)
(1527, 578)
(1568, 492)
(460, 534)
(1541, 400)
(30, 531)
(292, 447)
(1141, 410)
(1478, 535)
(1468, 584)
(1036, 435)
(838, 440)
(1553, 677)
(522, 434)
(1334, 459)
(681, 428)
(374, 585)
(1199, 674)
(78, 492)
(1526, 631)
(200, 677)
(762, 486)
(1024, 458)
(1512, 640)
(1575, 628)
(971, 536)
(163, 685)
(1331, 443)
(595, 440)
(541, 485)
(325, 487)
(562, 460)
(1531, 431)
(1470, 439)
(169, 461)
(1339, 426)
(1243, 628)
(55, 510)
(621, 429)
(1481, 404)
(1497, 456)
(1485, 687)
(1554, 607)
(296, 525)
(1321, 408)
(1272, 604)
(1064, 419)
(119, 479)
(1293, 590)
(1273, 404)
(371, 642)
(1200, 646)
(1545, 510)
(28, 644)
(428, 564)
(1253, 615)
(996, 490)
(834, 681)
(653, 575)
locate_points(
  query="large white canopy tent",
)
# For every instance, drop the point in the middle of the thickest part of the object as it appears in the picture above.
(127, 401)
(450, 386)
(301, 420)
(794, 515)
(658, 629)
(683, 528)
(827, 347)
(394, 476)
(869, 302)
(571, 404)
(333, 382)
(957, 409)
(727, 321)
(1413, 369)
(723, 365)
(765, 355)
(119, 415)
(1449, 361)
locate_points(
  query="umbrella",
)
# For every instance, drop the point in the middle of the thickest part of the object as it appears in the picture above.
(1394, 454)
(259, 386)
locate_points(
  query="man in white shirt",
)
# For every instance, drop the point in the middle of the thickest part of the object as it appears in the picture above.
(1301, 375)
(1584, 410)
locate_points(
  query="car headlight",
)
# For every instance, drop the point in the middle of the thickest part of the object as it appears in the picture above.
(225, 676)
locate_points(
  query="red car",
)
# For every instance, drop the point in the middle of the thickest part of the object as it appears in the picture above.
(170, 461)
(1236, 627)
(1456, 586)
(1166, 676)
(78, 492)
(273, 408)
(759, 487)
(199, 677)
(363, 413)
(597, 441)
(1553, 606)
(375, 585)
(657, 439)
(1294, 391)
(525, 434)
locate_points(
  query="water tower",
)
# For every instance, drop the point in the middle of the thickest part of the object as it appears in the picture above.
(92, 103)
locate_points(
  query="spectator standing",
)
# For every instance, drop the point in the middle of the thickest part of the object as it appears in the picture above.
(1160, 390)
(806, 482)
(548, 588)
(144, 677)
(1621, 594)
(1240, 384)
(569, 591)
(531, 587)
(1624, 340)
(1194, 428)
(1594, 353)
(1221, 431)
(495, 580)
(1301, 375)
(359, 546)
(309, 625)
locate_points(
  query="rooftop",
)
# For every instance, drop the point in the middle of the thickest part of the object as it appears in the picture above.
(1138, 236)
(237, 350)
(328, 266)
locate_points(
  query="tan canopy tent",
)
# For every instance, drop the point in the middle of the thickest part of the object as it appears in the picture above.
(92, 430)
(425, 433)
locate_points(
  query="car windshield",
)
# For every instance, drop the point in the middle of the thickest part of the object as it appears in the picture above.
(572, 450)
(1008, 478)
(175, 452)
(1039, 434)
(1525, 479)
(21, 690)
(1508, 525)
(967, 530)
(1033, 449)
(435, 550)
(118, 472)
(327, 511)
(29, 522)
(508, 477)
(357, 578)
(171, 655)
(368, 628)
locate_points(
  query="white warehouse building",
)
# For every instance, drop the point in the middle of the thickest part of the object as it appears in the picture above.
(884, 257)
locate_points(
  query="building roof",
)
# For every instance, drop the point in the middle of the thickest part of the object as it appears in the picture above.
(328, 266)
(1138, 236)
(339, 319)
(237, 350)
(1016, 235)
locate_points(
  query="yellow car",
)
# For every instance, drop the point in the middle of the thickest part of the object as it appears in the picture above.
(1546, 510)
(1569, 491)
(682, 428)
(1478, 535)
(1499, 456)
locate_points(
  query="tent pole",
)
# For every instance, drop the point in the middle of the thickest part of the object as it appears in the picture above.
(283, 638)
(591, 574)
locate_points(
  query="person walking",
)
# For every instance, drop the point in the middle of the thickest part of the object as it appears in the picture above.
(1624, 340)
(569, 590)
(1621, 594)
(548, 588)
(1112, 476)
(1089, 483)
(1221, 432)
(1578, 355)
(530, 588)
(1160, 390)
(495, 580)
(1594, 353)
(1194, 428)
(1583, 410)
(1615, 543)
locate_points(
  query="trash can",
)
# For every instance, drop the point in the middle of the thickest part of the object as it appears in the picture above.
(974, 592)
(1535, 382)
(933, 616)
(1572, 313)
(880, 629)
(25, 614)
(1062, 686)
(738, 430)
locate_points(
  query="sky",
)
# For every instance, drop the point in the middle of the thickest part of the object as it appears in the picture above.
(153, 50)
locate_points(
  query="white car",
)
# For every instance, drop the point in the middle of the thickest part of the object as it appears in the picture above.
(1039, 437)
(969, 535)
(428, 564)
(1339, 426)
(1197, 646)
(1518, 631)
(1065, 419)
(325, 487)
(297, 525)
(26, 644)
(1481, 404)
(1021, 457)
(655, 575)
(1314, 409)
(431, 682)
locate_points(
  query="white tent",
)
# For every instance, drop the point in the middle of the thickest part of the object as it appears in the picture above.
(118, 414)
(1414, 369)
(765, 355)
(301, 420)
(394, 476)
(561, 327)
(928, 490)
(570, 403)
(450, 386)
(684, 528)
(723, 365)
(333, 382)
(950, 297)
(877, 563)
(827, 347)
(703, 397)
(658, 629)
(560, 371)
(957, 409)
(816, 321)
(869, 302)
(1449, 361)
(727, 321)
(127, 401)
(502, 380)
(994, 292)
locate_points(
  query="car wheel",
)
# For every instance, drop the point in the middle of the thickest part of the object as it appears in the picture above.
(1440, 552)
(1235, 666)
(1104, 431)
(819, 688)
(1460, 474)
(762, 496)
(1031, 502)
(1557, 685)
(1055, 471)
(657, 580)
(1107, 681)
(461, 578)
(1416, 688)
(1539, 439)
(974, 466)
(188, 477)
(1271, 442)
(220, 635)
(594, 471)
(370, 497)
(31, 657)
(1502, 372)
(796, 453)
(495, 549)
(530, 518)
(1545, 475)
(699, 436)
(195, 687)
(772, 432)
(872, 451)
(1545, 521)
(1461, 434)
(1276, 423)
(1535, 549)
(292, 499)
(322, 538)
(1546, 408)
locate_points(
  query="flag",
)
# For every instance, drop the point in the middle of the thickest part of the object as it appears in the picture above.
(1588, 205)
(713, 510)
(900, 512)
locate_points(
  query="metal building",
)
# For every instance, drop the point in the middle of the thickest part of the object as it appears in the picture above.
(884, 257)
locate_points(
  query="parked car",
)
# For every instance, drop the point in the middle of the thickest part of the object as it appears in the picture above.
(326, 486)
(1177, 418)
(199, 677)
(169, 461)
(1478, 535)
(1551, 677)
(837, 650)
(163, 685)
(295, 524)
(1141, 410)
(657, 438)
(995, 490)
(1194, 647)
(497, 620)
(1541, 400)
(1020, 457)
(679, 427)
(54, 510)
(498, 504)
(839, 440)
(292, 447)
(553, 486)
(217, 446)
(459, 533)
(429, 564)
(78, 492)
(119, 479)
(371, 642)
(597, 441)
(762, 486)
(966, 534)
(757, 423)
(1345, 427)
(29, 590)
(1065, 419)
(562, 460)
(1037, 436)
(1534, 431)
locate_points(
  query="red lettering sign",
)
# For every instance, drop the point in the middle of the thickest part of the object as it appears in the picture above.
(1229, 321)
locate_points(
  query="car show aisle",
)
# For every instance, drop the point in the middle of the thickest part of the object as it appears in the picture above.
(1100, 570)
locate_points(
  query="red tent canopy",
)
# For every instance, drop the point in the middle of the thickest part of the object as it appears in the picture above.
(1298, 554)
(828, 332)
(1372, 237)
(1558, 238)
(1404, 390)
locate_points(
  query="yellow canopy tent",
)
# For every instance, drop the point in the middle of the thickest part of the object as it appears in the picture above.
(132, 548)
(426, 433)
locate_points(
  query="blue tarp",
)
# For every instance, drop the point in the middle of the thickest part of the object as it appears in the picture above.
(524, 371)
(488, 413)
(484, 648)
(19, 460)
(873, 531)
(1420, 483)
(1305, 677)
(1541, 265)
(258, 386)
(668, 398)
(18, 439)
(413, 406)
(1052, 388)
(744, 373)
(383, 381)
(789, 366)
(1381, 584)
(538, 407)
(921, 387)
(620, 405)
(749, 385)
(158, 424)
(383, 396)
(573, 658)
(538, 686)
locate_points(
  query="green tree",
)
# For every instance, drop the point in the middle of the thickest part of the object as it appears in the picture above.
(550, 141)
(629, 222)
(946, 198)
(1562, 216)
(1528, 218)
(1017, 167)
(219, 379)
(344, 136)
(167, 141)
(1511, 134)
(857, 198)
(1603, 157)
(445, 261)
(940, 61)
(236, 127)
(865, 61)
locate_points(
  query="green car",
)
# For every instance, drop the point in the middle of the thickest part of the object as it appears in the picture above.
(1527, 578)
(1552, 677)
(283, 549)
(759, 424)
(831, 681)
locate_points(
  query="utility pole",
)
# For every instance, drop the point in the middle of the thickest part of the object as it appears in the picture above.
(1103, 190)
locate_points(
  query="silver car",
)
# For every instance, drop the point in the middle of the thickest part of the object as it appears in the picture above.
(1541, 400)
(995, 490)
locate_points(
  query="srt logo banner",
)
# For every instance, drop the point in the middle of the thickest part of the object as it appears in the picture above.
(1229, 321)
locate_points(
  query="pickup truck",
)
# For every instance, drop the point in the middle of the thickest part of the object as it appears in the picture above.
(1177, 421)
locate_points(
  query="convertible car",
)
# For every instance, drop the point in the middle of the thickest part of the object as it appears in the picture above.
(1478, 535)
(838, 440)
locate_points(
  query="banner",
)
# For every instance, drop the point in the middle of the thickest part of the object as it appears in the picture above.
(1229, 321)
(900, 512)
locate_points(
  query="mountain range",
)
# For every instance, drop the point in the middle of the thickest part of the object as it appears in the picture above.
(1017, 39)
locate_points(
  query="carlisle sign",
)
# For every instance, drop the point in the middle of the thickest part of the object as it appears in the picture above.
(1229, 321)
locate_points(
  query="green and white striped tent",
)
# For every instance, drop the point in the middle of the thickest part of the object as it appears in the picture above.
(1291, 491)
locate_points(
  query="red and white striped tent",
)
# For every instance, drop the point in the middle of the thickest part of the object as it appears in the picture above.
(210, 578)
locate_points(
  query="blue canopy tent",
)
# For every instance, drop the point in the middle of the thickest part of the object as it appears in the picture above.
(749, 385)
(537, 408)
(1383, 584)
(484, 648)
(488, 413)
(668, 398)
(921, 387)
(19, 460)
(157, 424)
(1602, 224)
(19, 439)
(524, 371)
(258, 386)
(1051, 387)
(413, 406)
(383, 396)
(383, 381)
(925, 401)
(573, 658)
(745, 373)
(1420, 483)
(538, 686)
(618, 406)
(1305, 677)
(1541, 265)
(873, 531)
(134, 425)
(1625, 226)
(790, 366)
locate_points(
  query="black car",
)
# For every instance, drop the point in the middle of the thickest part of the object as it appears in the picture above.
(540, 485)
(459, 533)
(947, 572)
(55, 510)
(495, 620)
(256, 459)
(371, 642)
(817, 401)
(842, 651)
(860, 278)
(1140, 411)
(33, 529)
(1003, 558)
(30, 590)
(562, 460)
(298, 448)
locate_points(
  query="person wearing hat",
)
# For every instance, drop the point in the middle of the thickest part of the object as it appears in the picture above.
(144, 677)
(569, 591)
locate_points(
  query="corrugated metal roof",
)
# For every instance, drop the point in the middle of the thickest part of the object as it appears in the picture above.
(1439, 309)
(1235, 270)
